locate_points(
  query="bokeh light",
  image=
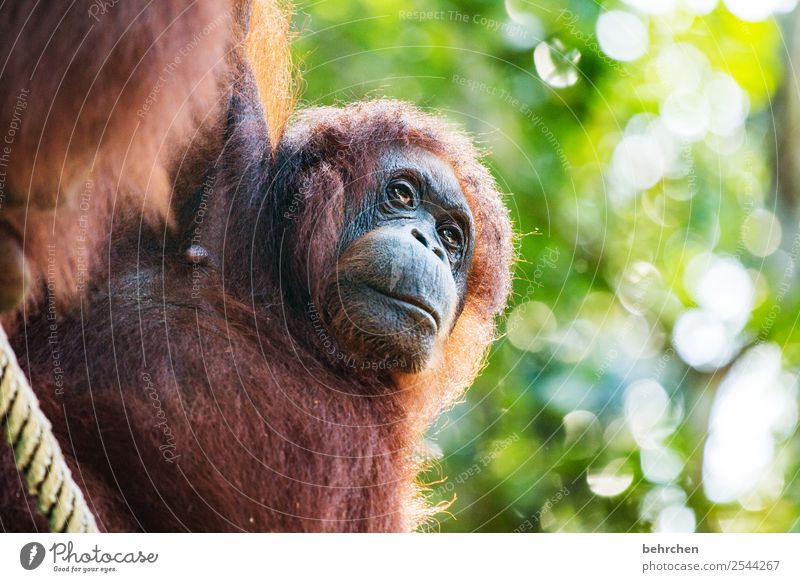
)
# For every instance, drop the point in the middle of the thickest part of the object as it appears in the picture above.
(646, 377)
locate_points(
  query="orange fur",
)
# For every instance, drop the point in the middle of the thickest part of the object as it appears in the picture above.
(115, 95)
(268, 50)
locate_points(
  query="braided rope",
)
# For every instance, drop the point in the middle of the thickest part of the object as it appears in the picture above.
(36, 451)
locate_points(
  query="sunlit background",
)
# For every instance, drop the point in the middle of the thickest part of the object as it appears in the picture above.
(646, 379)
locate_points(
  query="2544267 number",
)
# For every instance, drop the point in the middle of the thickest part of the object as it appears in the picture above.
(764, 565)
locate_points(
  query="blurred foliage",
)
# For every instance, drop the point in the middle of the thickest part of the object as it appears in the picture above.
(646, 377)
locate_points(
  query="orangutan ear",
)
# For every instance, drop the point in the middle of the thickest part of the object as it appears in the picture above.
(313, 218)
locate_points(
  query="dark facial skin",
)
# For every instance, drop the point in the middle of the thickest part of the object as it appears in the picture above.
(403, 263)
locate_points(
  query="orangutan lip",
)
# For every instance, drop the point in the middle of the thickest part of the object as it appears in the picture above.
(414, 302)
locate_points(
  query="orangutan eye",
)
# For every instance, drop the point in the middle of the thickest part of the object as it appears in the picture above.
(452, 236)
(401, 194)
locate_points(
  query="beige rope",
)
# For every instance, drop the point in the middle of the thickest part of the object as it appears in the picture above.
(36, 451)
